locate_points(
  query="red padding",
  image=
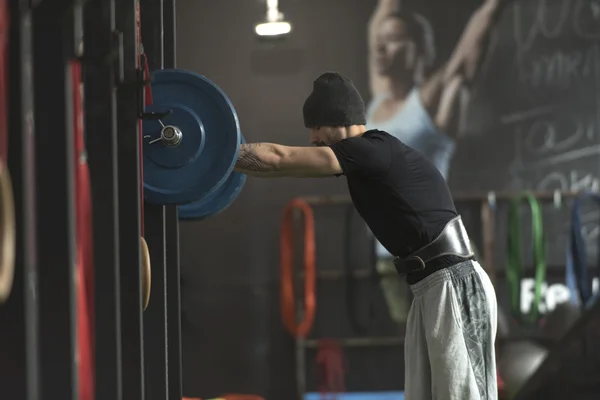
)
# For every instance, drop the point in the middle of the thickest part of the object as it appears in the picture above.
(85, 282)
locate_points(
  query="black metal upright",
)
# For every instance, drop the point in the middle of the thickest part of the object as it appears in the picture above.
(53, 27)
(163, 316)
(155, 327)
(100, 80)
(172, 230)
(132, 321)
(18, 316)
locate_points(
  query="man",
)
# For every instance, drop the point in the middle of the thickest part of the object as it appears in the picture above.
(403, 198)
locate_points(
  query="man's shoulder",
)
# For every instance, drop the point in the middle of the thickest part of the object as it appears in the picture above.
(376, 134)
(383, 136)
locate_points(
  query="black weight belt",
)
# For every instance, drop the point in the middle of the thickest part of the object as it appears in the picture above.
(453, 241)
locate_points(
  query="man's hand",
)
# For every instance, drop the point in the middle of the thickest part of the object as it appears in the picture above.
(271, 160)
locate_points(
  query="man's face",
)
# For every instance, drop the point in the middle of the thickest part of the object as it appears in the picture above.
(325, 135)
(396, 52)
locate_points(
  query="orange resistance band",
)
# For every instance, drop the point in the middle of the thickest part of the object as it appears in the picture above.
(288, 303)
(85, 281)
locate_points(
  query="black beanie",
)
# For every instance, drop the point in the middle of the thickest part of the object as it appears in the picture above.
(334, 101)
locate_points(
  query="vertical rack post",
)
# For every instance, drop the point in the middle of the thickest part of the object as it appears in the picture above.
(53, 38)
(128, 157)
(101, 142)
(172, 231)
(155, 327)
(162, 231)
(19, 378)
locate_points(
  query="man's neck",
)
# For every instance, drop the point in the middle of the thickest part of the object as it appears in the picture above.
(355, 130)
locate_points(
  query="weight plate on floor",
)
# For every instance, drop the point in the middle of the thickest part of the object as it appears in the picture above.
(191, 151)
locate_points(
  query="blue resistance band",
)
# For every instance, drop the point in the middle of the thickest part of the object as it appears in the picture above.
(577, 277)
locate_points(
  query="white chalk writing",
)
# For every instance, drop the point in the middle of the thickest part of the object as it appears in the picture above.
(548, 22)
(546, 141)
(547, 136)
(551, 18)
(561, 69)
(528, 27)
(569, 181)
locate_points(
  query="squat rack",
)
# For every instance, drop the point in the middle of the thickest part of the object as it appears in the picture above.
(39, 348)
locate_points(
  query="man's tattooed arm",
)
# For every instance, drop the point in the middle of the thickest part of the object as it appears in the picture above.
(260, 159)
(270, 160)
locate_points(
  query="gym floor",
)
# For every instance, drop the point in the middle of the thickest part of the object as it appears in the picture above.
(360, 396)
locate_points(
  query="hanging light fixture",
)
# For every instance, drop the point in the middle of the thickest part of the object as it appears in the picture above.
(274, 25)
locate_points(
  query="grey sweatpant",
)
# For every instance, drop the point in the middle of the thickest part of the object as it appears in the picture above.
(450, 333)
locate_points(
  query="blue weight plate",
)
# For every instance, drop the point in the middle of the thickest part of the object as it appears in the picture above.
(217, 201)
(206, 155)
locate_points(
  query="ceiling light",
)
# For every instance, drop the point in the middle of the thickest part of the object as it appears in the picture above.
(274, 25)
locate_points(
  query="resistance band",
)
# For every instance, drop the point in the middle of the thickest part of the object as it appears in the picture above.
(84, 269)
(288, 301)
(577, 277)
(570, 279)
(351, 287)
(515, 268)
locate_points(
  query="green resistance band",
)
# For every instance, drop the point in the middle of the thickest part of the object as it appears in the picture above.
(515, 268)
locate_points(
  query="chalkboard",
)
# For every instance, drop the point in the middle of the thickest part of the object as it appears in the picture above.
(534, 116)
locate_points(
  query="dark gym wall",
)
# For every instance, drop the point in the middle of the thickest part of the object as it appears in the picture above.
(233, 338)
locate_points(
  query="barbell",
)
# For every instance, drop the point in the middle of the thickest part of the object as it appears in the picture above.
(191, 140)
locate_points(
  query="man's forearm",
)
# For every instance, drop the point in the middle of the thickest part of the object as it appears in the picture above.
(270, 160)
(260, 159)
